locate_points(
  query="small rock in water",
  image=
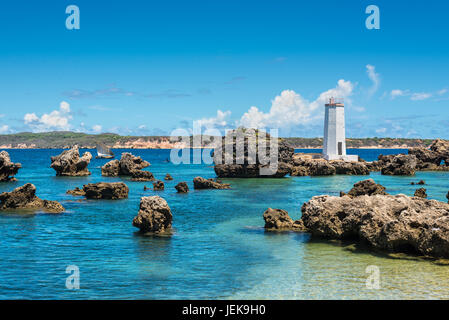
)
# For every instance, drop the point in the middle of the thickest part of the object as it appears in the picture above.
(421, 192)
(201, 183)
(158, 185)
(104, 190)
(168, 177)
(76, 192)
(154, 215)
(182, 187)
(366, 187)
(8, 169)
(278, 219)
(421, 182)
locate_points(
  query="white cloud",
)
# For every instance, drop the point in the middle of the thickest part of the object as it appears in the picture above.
(420, 96)
(55, 120)
(4, 129)
(398, 93)
(442, 91)
(97, 128)
(220, 121)
(142, 127)
(414, 96)
(381, 130)
(291, 109)
(374, 77)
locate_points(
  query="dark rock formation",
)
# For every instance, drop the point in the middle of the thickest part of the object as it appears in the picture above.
(128, 165)
(403, 165)
(420, 182)
(104, 190)
(394, 223)
(421, 192)
(366, 187)
(279, 220)
(168, 177)
(182, 187)
(8, 169)
(25, 198)
(158, 185)
(76, 192)
(154, 215)
(69, 163)
(447, 197)
(201, 183)
(350, 168)
(247, 165)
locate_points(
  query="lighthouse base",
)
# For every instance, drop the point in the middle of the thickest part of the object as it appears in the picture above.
(347, 158)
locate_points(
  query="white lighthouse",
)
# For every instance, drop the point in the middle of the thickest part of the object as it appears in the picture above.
(334, 145)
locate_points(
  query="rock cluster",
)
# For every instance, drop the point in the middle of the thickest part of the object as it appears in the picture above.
(434, 158)
(365, 187)
(69, 163)
(201, 183)
(102, 190)
(128, 165)
(8, 169)
(154, 215)
(421, 193)
(246, 164)
(394, 223)
(158, 185)
(182, 187)
(25, 198)
(279, 220)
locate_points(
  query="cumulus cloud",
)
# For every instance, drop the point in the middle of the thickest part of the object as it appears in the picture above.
(414, 96)
(420, 96)
(4, 129)
(217, 122)
(374, 77)
(55, 120)
(290, 109)
(97, 128)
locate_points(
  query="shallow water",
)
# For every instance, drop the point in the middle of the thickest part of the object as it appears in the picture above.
(219, 248)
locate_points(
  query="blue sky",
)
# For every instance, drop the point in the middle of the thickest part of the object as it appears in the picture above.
(148, 67)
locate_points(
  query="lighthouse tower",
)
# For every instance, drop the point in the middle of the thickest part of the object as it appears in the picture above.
(334, 147)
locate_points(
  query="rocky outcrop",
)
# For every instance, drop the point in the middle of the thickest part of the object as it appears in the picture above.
(104, 190)
(128, 165)
(154, 215)
(442, 148)
(76, 192)
(230, 163)
(421, 193)
(8, 169)
(168, 177)
(350, 168)
(182, 187)
(420, 182)
(394, 223)
(25, 198)
(279, 220)
(201, 183)
(69, 163)
(304, 165)
(158, 185)
(434, 158)
(366, 187)
(400, 165)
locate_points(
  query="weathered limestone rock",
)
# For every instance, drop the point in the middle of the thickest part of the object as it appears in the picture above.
(350, 168)
(104, 190)
(421, 192)
(76, 192)
(394, 223)
(8, 169)
(158, 185)
(279, 220)
(366, 187)
(154, 215)
(305, 165)
(25, 198)
(69, 163)
(404, 165)
(201, 183)
(248, 164)
(182, 187)
(168, 177)
(128, 165)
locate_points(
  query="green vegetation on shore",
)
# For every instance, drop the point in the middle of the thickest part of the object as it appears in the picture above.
(64, 139)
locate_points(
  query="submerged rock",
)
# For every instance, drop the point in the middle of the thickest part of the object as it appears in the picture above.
(394, 223)
(402, 164)
(128, 165)
(421, 192)
(168, 177)
(230, 163)
(366, 187)
(104, 190)
(154, 215)
(278, 219)
(69, 163)
(158, 185)
(25, 198)
(201, 183)
(8, 169)
(182, 187)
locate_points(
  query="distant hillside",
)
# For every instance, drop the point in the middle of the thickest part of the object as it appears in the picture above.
(67, 139)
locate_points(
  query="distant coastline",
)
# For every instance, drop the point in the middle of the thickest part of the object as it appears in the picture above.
(64, 140)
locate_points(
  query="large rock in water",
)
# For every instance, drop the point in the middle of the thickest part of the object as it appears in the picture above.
(69, 163)
(442, 148)
(366, 187)
(128, 165)
(279, 220)
(182, 187)
(25, 198)
(245, 164)
(154, 215)
(104, 190)
(8, 169)
(305, 165)
(201, 183)
(394, 223)
(400, 165)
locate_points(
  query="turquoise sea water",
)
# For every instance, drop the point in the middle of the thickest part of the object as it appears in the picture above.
(219, 249)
